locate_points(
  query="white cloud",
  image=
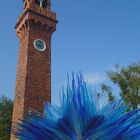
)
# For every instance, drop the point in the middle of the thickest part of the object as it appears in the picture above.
(95, 78)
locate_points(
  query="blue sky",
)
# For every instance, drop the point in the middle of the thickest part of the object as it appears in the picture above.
(91, 37)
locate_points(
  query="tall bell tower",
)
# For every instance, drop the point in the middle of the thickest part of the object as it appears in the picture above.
(33, 83)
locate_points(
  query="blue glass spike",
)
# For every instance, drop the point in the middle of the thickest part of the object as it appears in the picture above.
(79, 118)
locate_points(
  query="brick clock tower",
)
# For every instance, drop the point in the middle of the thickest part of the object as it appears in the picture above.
(33, 84)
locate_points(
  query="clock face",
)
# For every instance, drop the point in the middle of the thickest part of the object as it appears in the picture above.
(40, 45)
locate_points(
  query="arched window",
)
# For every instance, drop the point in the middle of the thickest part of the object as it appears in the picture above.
(44, 4)
(37, 2)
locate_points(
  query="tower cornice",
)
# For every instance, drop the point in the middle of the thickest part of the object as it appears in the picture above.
(34, 14)
(45, 13)
(46, 16)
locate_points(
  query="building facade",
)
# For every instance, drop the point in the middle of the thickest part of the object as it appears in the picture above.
(33, 81)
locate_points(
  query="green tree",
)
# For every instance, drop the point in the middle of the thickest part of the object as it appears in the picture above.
(6, 107)
(128, 81)
(107, 89)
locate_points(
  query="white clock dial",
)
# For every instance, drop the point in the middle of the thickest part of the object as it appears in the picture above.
(40, 45)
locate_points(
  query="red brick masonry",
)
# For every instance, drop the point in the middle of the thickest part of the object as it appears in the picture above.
(33, 82)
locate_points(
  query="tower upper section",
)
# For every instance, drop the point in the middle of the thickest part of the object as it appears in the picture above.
(36, 12)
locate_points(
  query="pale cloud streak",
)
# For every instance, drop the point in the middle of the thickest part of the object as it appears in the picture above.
(95, 78)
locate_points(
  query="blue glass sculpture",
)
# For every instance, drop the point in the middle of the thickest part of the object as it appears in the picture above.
(79, 118)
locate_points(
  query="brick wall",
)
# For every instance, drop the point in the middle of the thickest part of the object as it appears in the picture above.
(33, 82)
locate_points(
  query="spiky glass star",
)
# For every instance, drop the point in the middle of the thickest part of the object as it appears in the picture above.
(79, 118)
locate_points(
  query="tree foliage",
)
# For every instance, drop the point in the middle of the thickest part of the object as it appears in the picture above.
(107, 89)
(128, 81)
(6, 107)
